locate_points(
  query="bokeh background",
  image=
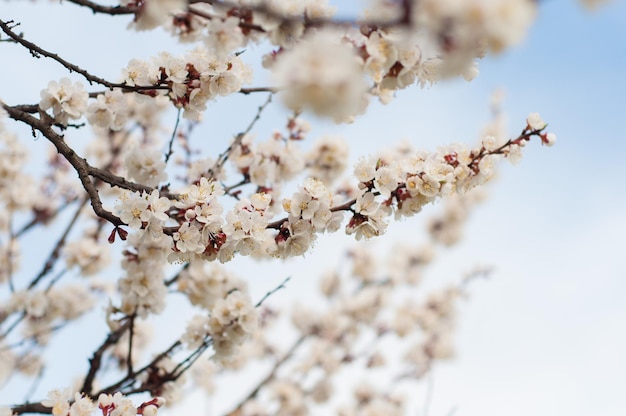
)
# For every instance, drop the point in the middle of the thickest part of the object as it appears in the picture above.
(546, 334)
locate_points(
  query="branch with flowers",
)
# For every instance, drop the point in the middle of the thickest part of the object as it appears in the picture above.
(172, 201)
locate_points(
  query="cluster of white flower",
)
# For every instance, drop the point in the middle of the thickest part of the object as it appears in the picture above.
(447, 227)
(436, 319)
(407, 262)
(290, 397)
(109, 111)
(88, 254)
(200, 232)
(189, 81)
(369, 400)
(309, 212)
(246, 227)
(224, 36)
(333, 70)
(393, 59)
(141, 209)
(269, 163)
(142, 288)
(322, 73)
(154, 13)
(18, 191)
(67, 100)
(404, 186)
(10, 251)
(367, 304)
(536, 123)
(322, 68)
(44, 309)
(65, 402)
(192, 79)
(205, 286)
(231, 321)
(328, 158)
(28, 364)
(399, 183)
(463, 30)
(146, 165)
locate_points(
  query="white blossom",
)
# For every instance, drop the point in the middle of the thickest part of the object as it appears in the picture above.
(155, 13)
(67, 100)
(146, 165)
(322, 74)
(88, 254)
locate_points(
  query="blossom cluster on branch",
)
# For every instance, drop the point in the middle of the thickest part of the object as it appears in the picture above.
(264, 198)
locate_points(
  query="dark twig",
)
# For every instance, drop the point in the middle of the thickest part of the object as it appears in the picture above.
(222, 158)
(31, 408)
(131, 335)
(169, 150)
(175, 278)
(34, 385)
(271, 292)
(56, 251)
(13, 325)
(96, 360)
(130, 379)
(111, 10)
(248, 91)
(37, 51)
(84, 169)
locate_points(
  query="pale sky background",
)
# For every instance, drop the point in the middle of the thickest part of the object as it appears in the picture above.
(546, 335)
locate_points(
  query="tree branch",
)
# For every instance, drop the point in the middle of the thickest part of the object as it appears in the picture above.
(80, 165)
(31, 408)
(56, 251)
(110, 10)
(36, 51)
(96, 360)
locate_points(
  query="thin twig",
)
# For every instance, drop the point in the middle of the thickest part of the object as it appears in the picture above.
(271, 292)
(9, 258)
(248, 91)
(96, 360)
(13, 325)
(34, 385)
(111, 10)
(130, 379)
(83, 169)
(169, 150)
(31, 408)
(270, 376)
(36, 51)
(32, 336)
(56, 251)
(131, 335)
(175, 278)
(55, 279)
(237, 142)
(37, 219)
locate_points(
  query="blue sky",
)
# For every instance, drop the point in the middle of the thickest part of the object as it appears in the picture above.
(546, 334)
